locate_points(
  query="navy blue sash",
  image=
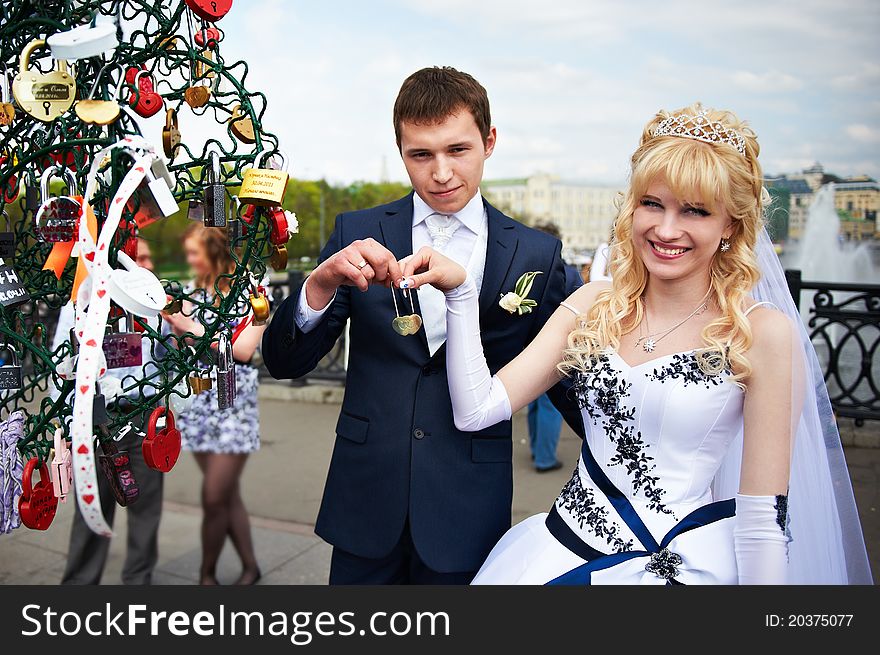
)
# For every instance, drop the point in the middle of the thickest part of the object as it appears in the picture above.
(595, 560)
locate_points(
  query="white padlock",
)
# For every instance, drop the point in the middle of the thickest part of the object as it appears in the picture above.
(136, 289)
(83, 41)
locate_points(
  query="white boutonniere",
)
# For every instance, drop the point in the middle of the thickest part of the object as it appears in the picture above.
(517, 301)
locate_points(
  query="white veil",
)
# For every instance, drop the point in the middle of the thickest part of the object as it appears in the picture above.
(826, 543)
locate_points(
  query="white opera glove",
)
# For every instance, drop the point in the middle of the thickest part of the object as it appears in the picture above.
(760, 539)
(479, 399)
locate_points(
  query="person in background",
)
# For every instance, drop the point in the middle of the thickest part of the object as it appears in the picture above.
(220, 440)
(87, 551)
(545, 421)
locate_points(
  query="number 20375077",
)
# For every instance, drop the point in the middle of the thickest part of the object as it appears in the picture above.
(808, 620)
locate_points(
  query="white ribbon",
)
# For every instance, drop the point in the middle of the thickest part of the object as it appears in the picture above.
(91, 324)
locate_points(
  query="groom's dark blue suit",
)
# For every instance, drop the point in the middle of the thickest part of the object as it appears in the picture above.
(399, 463)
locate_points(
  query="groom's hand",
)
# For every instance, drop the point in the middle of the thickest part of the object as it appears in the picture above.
(359, 264)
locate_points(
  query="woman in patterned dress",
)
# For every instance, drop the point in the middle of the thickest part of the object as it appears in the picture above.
(220, 440)
(700, 398)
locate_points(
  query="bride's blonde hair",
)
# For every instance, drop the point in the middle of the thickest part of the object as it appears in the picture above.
(711, 173)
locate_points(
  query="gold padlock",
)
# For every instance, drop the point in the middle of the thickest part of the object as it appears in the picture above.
(278, 258)
(45, 96)
(170, 134)
(201, 68)
(264, 186)
(260, 306)
(197, 96)
(242, 126)
(200, 381)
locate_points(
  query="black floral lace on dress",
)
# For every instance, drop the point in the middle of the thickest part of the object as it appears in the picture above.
(581, 504)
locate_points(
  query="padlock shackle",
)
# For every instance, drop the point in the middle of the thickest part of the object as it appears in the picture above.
(215, 167)
(25, 59)
(258, 159)
(158, 413)
(27, 484)
(66, 173)
(224, 352)
(127, 262)
(8, 347)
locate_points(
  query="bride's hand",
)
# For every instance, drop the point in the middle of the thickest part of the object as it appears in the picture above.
(428, 266)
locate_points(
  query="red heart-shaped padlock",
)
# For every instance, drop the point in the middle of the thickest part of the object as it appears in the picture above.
(278, 233)
(212, 10)
(145, 102)
(161, 449)
(37, 504)
(207, 35)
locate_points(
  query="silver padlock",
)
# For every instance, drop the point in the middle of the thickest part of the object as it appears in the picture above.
(226, 390)
(215, 194)
(60, 214)
(124, 349)
(10, 371)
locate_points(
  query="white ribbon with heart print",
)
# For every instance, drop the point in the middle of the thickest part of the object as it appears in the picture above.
(91, 324)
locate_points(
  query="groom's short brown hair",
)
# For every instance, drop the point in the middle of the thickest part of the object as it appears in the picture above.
(430, 95)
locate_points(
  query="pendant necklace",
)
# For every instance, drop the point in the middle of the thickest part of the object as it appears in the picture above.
(649, 341)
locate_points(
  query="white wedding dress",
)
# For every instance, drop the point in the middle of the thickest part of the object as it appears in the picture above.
(639, 507)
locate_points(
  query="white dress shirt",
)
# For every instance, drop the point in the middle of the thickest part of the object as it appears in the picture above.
(467, 247)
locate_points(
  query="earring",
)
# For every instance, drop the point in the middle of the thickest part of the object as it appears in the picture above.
(725, 245)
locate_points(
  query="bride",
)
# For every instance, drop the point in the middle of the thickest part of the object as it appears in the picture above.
(710, 454)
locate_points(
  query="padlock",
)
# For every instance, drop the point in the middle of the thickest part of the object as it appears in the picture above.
(10, 370)
(241, 125)
(203, 69)
(37, 504)
(174, 296)
(116, 466)
(264, 186)
(45, 96)
(161, 447)
(7, 238)
(124, 349)
(195, 210)
(32, 199)
(207, 37)
(259, 304)
(215, 194)
(145, 101)
(233, 225)
(278, 258)
(7, 109)
(210, 10)
(170, 133)
(12, 291)
(135, 289)
(278, 232)
(61, 214)
(155, 198)
(200, 381)
(99, 112)
(84, 41)
(62, 469)
(197, 96)
(226, 389)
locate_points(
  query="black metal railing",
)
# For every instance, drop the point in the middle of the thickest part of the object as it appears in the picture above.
(843, 322)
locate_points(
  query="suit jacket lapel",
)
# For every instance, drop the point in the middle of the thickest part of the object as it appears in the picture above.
(396, 230)
(500, 249)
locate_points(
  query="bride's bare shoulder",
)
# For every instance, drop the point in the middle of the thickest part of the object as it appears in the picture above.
(583, 299)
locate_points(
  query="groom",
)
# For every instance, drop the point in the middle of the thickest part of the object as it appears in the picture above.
(409, 498)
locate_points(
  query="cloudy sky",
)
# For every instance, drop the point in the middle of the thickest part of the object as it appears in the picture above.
(571, 82)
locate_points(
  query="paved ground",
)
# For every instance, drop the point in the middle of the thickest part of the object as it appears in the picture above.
(282, 485)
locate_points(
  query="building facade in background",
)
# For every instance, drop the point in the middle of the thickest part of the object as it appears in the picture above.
(583, 212)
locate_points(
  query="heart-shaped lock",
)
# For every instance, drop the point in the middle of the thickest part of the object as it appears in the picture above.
(278, 233)
(278, 258)
(144, 100)
(136, 289)
(197, 96)
(210, 10)
(62, 468)
(37, 504)
(99, 112)
(242, 126)
(170, 134)
(45, 96)
(161, 448)
(84, 41)
(404, 325)
(207, 37)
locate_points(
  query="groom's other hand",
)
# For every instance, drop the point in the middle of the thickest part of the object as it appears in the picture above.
(359, 264)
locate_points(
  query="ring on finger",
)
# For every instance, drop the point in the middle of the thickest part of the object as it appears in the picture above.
(362, 264)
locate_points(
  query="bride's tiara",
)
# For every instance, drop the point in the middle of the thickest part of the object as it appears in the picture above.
(701, 128)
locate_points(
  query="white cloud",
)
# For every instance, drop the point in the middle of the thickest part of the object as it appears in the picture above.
(863, 133)
(767, 82)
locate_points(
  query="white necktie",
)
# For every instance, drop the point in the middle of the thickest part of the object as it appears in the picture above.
(441, 228)
(433, 302)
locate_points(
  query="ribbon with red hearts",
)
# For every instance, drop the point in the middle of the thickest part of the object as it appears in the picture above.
(92, 309)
